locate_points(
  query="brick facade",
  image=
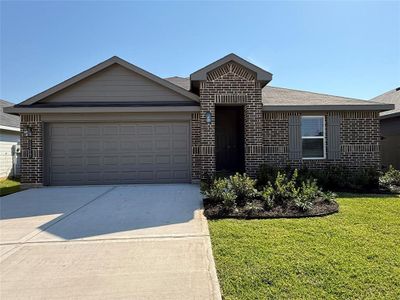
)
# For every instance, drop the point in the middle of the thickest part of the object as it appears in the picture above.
(235, 85)
(196, 147)
(359, 140)
(31, 164)
(266, 133)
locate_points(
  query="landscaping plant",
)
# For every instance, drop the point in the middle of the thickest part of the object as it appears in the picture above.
(390, 180)
(244, 188)
(284, 195)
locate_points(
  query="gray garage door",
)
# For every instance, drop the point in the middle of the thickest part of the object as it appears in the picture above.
(111, 153)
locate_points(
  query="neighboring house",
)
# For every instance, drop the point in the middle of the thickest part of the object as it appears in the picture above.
(390, 129)
(9, 139)
(116, 123)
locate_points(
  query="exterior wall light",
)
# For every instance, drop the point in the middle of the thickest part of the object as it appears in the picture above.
(208, 117)
(28, 131)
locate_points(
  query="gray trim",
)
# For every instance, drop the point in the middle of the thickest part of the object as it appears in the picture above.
(346, 107)
(28, 110)
(103, 65)
(201, 74)
(391, 115)
(115, 117)
(294, 137)
(111, 104)
(333, 135)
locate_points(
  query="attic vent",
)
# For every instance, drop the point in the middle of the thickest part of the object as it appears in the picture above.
(398, 89)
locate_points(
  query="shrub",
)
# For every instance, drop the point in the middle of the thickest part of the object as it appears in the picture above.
(285, 188)
(268, 196)
(244, 188)
(307, 194)
(328, 197)
(342, 178)
(390, 180)
(266, 174)
(206, 182)
(220, 192)
(363, 180)
(251, 209)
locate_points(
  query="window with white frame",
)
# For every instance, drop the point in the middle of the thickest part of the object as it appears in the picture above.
(313, 137)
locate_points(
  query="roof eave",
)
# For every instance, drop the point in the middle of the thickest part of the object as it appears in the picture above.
(334, 107)
(139, 109)
(391, 115)
(9, 128)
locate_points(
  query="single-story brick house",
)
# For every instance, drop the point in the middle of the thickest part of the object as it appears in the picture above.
(116, 123)
(390, 129)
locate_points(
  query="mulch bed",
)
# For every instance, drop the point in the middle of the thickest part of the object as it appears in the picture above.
(216, 211)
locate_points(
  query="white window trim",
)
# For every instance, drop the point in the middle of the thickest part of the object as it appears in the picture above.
(323, 137)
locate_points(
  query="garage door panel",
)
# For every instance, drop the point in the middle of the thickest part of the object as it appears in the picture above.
(180, 174)
(104, 153)
(128, 145)
(144, 130)
(75, 131)
(163, 160)
(110, 146)
(93, 146)
(145, 145)
(110, 129)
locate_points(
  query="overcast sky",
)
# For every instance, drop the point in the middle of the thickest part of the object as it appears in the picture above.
(342, 48)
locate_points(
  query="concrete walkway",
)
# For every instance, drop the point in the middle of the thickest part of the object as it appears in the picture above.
(106, 242)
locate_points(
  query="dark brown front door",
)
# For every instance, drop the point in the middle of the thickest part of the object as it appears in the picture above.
(229, 129)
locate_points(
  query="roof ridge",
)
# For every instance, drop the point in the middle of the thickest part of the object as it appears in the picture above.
(330, 95)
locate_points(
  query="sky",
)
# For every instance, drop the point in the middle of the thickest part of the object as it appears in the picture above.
(346, 48)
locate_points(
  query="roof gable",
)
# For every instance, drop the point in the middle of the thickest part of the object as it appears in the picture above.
(113, 65)
(262, 75)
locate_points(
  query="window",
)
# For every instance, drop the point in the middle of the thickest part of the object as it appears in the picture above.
(313, 137)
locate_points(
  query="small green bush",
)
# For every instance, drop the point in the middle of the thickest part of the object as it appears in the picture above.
(307, 194)
(335, 177)
(244, 188)
(266, 174)
(390, 180)
(268, 197)
(221, 192)
(285, 189)
(329, 197)
(206, 181)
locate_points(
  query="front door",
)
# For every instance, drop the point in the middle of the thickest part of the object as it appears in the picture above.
(229, 129)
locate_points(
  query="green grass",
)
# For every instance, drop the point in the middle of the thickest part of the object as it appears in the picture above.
(8, 186)
(354, 254)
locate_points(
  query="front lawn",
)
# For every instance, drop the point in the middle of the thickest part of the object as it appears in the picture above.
(354, 254)
(8, 186)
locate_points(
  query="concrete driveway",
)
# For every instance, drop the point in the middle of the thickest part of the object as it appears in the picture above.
(94, 242)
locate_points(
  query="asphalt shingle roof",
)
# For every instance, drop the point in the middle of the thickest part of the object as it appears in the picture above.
(7, 119)
(391, 97)
(283, 96)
